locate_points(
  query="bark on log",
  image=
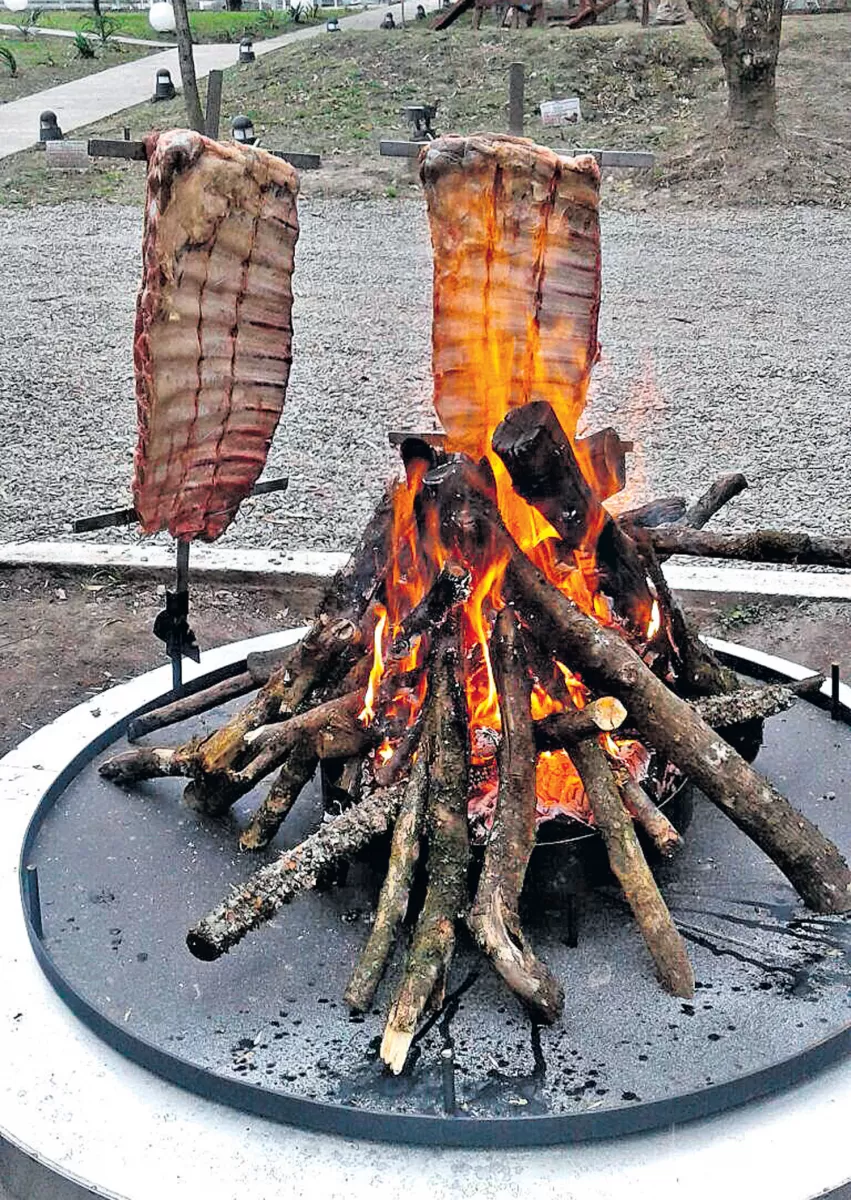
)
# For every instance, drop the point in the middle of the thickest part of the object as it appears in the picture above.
(566, 728)
(295, 774)
(812, 864)
(146, 763)
(762, 545)
(393, 901)
(706, 506)
(260, 897)
(494, 918)
(630, 867)
(448, 857)
(754, 703)
(649, 816)
(191, 706)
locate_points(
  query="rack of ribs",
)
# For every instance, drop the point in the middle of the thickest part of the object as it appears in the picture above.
(213, 338)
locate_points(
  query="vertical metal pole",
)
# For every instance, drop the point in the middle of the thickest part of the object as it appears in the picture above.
(835, 706)
(447, 1067)
(515, 98)
(213, 115)
(33, 899)
(127, 133)
(181, 585)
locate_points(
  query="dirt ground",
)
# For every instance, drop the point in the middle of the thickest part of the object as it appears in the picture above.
(66, 637)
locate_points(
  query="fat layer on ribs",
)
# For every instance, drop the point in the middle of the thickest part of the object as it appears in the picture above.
(213, 340)
(516, 237)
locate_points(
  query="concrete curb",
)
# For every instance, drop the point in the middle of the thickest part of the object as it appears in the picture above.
(299, 569)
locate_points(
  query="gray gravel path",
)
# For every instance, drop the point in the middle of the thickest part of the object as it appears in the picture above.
(726, 346)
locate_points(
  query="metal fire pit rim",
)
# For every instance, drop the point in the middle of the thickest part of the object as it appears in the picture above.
(422, 1129)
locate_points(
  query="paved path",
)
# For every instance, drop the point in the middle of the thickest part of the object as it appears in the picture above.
(98, 96)
(72, 33)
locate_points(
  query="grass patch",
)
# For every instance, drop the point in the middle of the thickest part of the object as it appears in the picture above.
(206, 26)
(45, 62)
(659, 89)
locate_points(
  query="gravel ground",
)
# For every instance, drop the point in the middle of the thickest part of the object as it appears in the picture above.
(725, 342)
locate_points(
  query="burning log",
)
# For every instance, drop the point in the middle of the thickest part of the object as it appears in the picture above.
(494, 918)
(630, 867)
(762, 545)
(447, 861)
(451, 586)
(297, 870)
(811, 863)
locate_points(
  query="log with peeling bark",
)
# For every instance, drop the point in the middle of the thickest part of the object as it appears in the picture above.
(630, 867)
(761, 545)
(809, 860)
(754, 703)
(262, 895)
(213, 338)
(395, 892)
(494, 917)
(516, 239)
(445, 746)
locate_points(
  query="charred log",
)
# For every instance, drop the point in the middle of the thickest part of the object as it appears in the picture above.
(191, 706)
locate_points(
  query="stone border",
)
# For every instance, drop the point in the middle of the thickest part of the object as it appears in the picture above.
(301, 568)
(93, 1119)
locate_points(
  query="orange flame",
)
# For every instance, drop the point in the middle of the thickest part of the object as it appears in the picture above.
(367, 714)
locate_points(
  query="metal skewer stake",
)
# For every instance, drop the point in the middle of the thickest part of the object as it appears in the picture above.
(181, 588)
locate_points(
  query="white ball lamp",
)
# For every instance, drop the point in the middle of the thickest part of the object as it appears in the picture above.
(160, 16)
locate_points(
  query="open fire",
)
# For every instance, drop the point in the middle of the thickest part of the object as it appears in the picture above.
(500, 651)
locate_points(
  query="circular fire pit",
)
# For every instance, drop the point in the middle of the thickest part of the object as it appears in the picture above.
(122, 875)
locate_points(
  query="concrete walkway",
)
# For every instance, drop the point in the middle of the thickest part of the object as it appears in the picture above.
(98, 96)
(39, 30)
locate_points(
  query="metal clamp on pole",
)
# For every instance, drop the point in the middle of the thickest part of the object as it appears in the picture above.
(172, 626)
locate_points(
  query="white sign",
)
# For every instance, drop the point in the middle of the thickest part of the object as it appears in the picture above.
(561, 112)
(67, 155)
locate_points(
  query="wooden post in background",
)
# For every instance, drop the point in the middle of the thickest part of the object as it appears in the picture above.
(515, 98)
(214, 104)
(645, 12)
(187, 67)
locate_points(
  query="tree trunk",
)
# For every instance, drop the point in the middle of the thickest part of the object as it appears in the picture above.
(191, 99)
(748, 39)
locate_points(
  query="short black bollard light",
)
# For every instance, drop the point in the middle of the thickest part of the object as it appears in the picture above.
(388, 22)
(332, 26)
(48, 127)
(164, 89)
(246, 51)
(242, 131)
(421, 13)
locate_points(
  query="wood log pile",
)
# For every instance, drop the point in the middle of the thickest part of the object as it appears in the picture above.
(500, 650)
